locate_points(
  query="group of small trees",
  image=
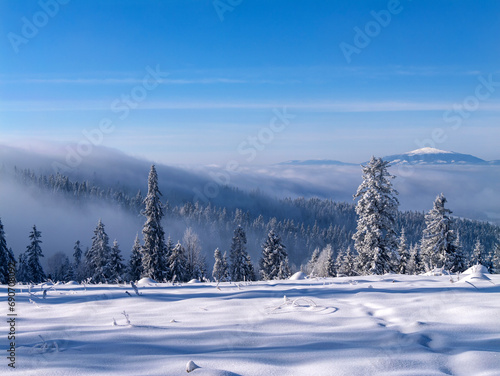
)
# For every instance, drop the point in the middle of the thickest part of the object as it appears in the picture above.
(380, 251)
(323, 263)
(156, 258)
(273, 263)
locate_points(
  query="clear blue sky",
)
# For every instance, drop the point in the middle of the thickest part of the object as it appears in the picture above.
(227, 71)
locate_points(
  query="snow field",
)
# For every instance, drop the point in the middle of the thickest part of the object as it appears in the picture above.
(376, 325)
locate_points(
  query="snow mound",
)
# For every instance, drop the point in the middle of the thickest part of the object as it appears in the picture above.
(477, 280)
(475, 269)
(298, 276)
(194, 281)
(146, 281)
(191, 366)
(71, 283)
(476, 277)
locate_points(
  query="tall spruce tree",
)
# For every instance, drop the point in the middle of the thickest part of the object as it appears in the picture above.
(403, 253)
(154, 250)
(274, 261)
(377, 207)
(33, 253)
(439, 240)
(240, 267)
(135, 262)
(98, 256)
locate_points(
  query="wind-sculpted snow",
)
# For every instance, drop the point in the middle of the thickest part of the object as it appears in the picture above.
(376, 325)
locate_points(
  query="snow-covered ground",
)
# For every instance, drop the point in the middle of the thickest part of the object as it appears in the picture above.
(377, 325)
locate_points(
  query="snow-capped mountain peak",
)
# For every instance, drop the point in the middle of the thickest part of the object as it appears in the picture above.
(432, 156)
(428, 150)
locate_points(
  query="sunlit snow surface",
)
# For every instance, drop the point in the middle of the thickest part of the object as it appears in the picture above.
(377, 325)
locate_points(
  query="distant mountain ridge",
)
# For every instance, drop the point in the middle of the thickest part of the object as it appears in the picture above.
(435, 157)
(423, 156)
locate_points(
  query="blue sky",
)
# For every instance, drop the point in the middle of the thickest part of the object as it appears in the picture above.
(226, 69)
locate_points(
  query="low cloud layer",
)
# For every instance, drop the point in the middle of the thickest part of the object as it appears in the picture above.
(472, 192)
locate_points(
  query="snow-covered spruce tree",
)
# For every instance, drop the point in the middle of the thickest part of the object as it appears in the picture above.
(4, 257)
(313, 262)
(375, 239)
(240, 267)
(135, 262)
(329, 268)
(249, 269)
(116, 265)
(274, 261)
(33, 253)
(345, 264)
(438, 247)
(403, 253)
(220, 272)
(349, 264)
(154, 250)
(284, 269)
(177, 264)
(339, 262)
(478, 255)
(98, 256)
